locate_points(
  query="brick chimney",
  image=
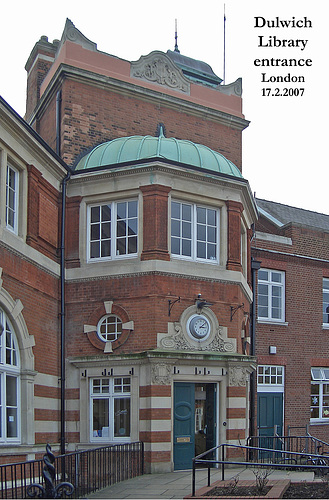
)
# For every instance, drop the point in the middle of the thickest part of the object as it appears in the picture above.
(37, 67)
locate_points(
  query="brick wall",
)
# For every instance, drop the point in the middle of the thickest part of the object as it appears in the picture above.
(93, 115)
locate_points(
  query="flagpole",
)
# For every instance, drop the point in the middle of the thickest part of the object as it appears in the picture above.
(224, 45)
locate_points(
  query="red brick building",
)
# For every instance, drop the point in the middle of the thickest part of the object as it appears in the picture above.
(292, 346)
(150, 285)
(126, 290)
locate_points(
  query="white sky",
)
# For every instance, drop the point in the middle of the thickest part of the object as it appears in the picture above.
(284, 147)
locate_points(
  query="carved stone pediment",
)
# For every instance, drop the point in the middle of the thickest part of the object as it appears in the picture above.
(178, 338)
(238, 376)
(158, 68)
(161, 374)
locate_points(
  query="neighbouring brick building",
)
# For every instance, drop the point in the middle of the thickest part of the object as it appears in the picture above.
(292, 344)
(127, 272)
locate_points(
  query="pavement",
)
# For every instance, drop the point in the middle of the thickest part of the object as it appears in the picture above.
(178, 484)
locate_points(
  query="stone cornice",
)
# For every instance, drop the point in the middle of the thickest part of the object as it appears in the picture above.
(128, 89)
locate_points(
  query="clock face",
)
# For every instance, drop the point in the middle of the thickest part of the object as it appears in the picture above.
(199, 327)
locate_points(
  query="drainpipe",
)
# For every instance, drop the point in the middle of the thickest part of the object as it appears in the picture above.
(62, 275)
(62, 313)
(255, 266)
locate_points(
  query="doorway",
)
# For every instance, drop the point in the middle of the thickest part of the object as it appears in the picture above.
(194, 421)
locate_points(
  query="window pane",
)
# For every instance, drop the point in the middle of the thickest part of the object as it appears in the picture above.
(1, 404)
(211, 217)
(100, 417)
(211, 234)
(276, 277)
(316, 374)
(95, 232)
(132, 209)
(121, 246)
(94, 250)
(132, 244)
(175, 228)
(122, 417)
(95, 214)
(175, 246)
(186, 230)
(121, 210)
(262, 275)
(106, 213)
(201, 250)
(186, 248)
(12, 423)
(186, 212)
(121, 228)
(132, 227)
(11, 406)
(202, 215)
(201, 233)
(175, 210)
(106, 248)
(106, 230)
(211, 251)
(11, 391)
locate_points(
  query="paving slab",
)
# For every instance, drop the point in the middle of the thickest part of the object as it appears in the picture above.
(178, 484)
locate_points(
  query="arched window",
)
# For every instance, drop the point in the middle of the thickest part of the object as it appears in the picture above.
(9, 383)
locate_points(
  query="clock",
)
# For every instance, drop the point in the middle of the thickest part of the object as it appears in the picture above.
(198, 327)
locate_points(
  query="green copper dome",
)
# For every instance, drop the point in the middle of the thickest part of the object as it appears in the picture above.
(136, 148)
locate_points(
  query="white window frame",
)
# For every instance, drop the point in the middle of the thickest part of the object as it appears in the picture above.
(113, 231)
(117, 330)
(270, 378)
(270, 283)
(110, 396)
(14, 207)
(9, 369)
(320, 377)
(193, 238)
(325, 302)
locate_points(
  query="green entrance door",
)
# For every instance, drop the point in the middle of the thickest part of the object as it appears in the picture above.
(269, 416)
(194, 421)
(183, 425)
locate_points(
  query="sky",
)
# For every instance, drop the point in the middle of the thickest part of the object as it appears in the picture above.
(285, 145)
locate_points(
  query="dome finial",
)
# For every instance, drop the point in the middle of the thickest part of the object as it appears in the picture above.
(176, 37)
(161, 130)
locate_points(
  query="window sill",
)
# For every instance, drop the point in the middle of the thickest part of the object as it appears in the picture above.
(198, 261)
(325, 326)
(319, 422)
(269, 322)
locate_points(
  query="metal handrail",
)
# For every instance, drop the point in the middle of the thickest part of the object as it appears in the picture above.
(87, 470)
(280, 459)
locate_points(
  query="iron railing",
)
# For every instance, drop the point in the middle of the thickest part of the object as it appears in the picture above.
(256, 457)
(300, 444)
(87, 470)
